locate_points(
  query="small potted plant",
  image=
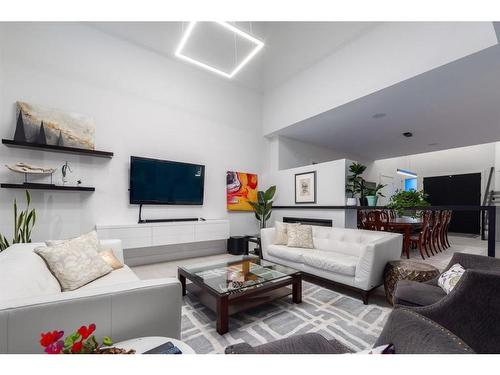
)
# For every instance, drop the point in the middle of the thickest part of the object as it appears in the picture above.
(356, 183)
(373, 194)
(404, 202)
(82, 341)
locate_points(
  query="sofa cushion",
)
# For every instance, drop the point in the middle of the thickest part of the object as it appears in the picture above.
(119, 276)
(292, 254)
(23, 274)
(331, 261)
(413, 293)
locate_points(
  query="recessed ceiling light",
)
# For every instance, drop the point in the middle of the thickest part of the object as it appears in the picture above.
(258, 46)
(379, 115)
(408, 134)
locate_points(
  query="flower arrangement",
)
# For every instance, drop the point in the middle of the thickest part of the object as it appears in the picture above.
(80, 342)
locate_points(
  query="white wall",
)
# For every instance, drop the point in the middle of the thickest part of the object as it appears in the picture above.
(143, 104)
(330, 191)
(472, 159)
(383, 56)
(294, 153)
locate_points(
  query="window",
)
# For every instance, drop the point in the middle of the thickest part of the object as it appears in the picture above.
(410, 184)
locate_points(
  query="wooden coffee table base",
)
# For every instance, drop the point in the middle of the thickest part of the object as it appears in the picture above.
(229, 304)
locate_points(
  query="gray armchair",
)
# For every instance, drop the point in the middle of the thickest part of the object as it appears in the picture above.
(412, 293)
(410, 332)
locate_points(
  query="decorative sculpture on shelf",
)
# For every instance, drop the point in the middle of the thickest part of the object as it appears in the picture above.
(64, 171)
(27, 169)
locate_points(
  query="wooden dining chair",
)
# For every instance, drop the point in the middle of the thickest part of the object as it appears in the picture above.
(377, 220)
(435, 240)
(361, 219)
(420, 240)
(444, 228)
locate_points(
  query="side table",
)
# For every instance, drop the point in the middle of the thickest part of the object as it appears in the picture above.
(406, 270)
(143, 344)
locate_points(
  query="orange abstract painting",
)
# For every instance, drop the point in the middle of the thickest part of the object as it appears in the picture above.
(241, 188)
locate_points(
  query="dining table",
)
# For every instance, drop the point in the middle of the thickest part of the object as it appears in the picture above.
(405, 225)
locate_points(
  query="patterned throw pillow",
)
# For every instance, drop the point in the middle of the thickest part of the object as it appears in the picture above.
(281, 232)
(449, 279)
(300, 236)
(76, 262)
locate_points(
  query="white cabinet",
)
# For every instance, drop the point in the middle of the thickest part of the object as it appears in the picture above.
(172, 234)
(158, 234)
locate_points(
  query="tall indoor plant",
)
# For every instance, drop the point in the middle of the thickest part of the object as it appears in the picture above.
(24, 221)
(356, 183)
(264, 205)
(406, 201)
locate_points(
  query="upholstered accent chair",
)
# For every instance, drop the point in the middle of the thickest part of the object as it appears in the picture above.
(410, 333)
(412, 293)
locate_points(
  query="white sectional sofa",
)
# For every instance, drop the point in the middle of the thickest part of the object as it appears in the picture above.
(121, 305)
(352, 257)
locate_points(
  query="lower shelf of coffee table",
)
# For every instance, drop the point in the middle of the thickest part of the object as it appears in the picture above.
(238, 303)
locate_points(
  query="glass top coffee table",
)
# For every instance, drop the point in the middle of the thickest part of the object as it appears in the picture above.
(240, 284)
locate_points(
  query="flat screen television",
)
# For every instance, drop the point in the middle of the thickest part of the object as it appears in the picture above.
(165, 182)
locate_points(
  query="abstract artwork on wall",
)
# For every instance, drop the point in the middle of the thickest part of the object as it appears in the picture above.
(241, 188)
(41, 125)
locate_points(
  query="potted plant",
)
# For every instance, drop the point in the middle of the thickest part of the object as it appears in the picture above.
(356, 183)
(24, 221)
(82, 341)
(264, 205)
(404, 202)
(372, 194)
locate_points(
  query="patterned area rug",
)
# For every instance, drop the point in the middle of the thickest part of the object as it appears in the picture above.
(330, 313)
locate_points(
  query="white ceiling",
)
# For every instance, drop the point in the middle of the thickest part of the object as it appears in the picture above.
(455, 105)
(289, 46)
(452, 106)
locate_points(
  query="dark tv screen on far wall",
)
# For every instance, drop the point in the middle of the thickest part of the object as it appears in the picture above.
(155, 181)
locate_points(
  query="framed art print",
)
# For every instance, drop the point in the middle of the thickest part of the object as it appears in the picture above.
(305, 187)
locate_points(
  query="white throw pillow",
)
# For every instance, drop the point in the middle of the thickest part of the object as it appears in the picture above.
(281, 232)
(300, 236)
(76, 262)
(450, 278)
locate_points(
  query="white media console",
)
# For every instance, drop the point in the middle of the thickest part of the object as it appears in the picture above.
(136, 238)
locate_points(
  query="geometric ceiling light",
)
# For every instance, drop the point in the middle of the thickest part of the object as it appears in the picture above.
(256, 47)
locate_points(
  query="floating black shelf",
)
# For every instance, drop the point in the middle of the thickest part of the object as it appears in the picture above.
(34, 186)
(53, 148)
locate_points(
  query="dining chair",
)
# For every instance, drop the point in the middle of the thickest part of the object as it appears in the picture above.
(361, 219)
(444, 230)
(434, 239)
(377, 220)
(420, 239)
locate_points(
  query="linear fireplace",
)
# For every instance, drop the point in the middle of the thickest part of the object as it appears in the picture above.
(309, 221)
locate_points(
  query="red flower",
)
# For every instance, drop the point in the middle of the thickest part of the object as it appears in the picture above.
(77, 346)
(54, 348)
(50, 337)
(85, 332)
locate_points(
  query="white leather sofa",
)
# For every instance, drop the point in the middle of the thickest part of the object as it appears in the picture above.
(352, 257)
(121, 305)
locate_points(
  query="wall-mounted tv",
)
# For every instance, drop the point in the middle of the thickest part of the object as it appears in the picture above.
(165, 182)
